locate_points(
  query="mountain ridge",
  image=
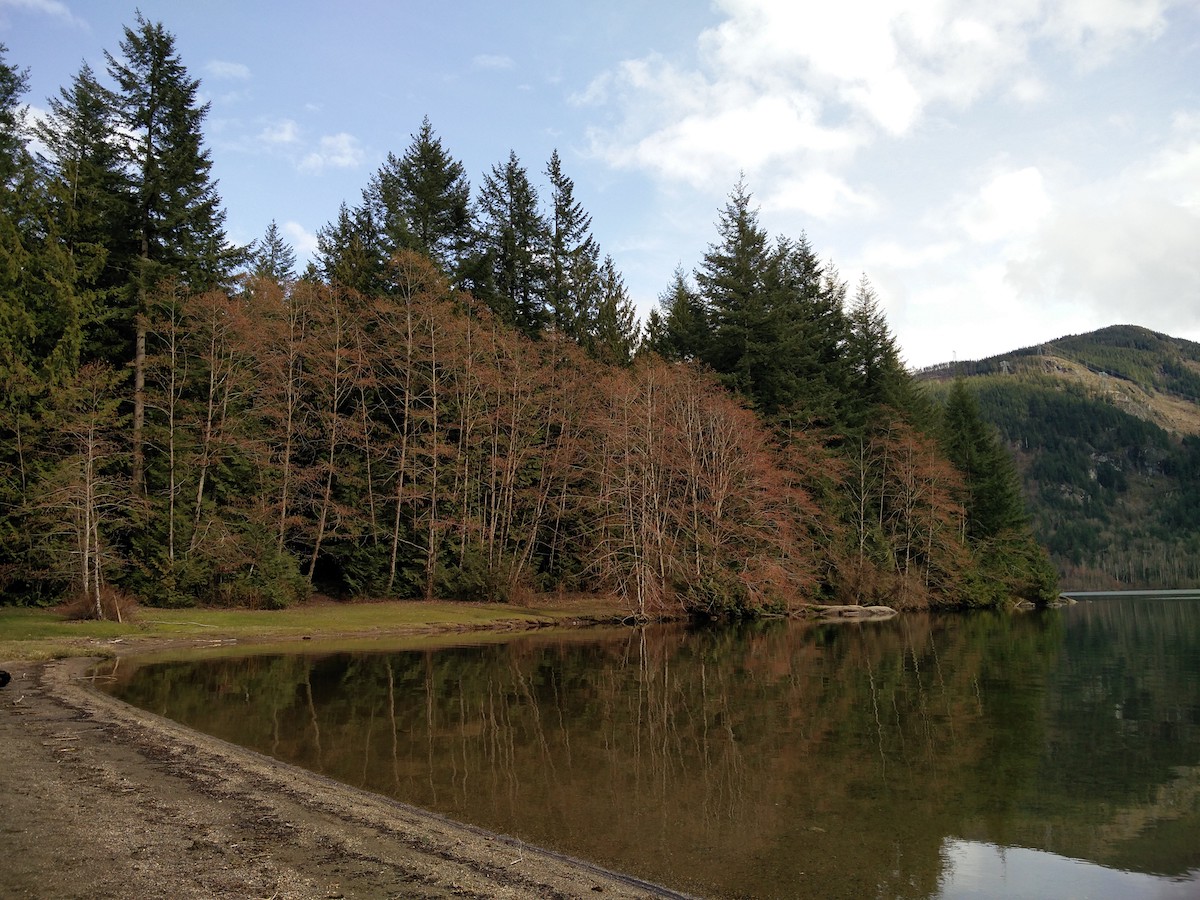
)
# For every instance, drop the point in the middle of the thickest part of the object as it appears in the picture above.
(1167, 393)
(1105, 430)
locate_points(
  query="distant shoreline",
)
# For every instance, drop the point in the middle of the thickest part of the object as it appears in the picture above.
(1177, 594)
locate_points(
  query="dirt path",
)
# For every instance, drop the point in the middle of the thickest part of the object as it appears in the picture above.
(101, 800)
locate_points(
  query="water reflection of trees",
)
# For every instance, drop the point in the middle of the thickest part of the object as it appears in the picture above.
(1119, 777)
(765, 760)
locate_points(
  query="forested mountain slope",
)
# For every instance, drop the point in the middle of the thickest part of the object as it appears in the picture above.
(1106, 430)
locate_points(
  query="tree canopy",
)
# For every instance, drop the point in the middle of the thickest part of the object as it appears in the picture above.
(455, 398)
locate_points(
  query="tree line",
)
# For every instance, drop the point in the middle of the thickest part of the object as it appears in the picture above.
(453, 399)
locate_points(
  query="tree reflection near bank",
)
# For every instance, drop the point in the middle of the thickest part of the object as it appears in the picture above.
(771, 759)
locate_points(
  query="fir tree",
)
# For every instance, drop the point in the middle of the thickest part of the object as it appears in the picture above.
(273, 257)
(571, 283)
(994, 503)
(614, 337)
(684, 332)
(422, 201)
(91, 199)
(877, 374)
(20, 390)
(776, 328)
(741, 345)
(178, 223)
(514, 238)
(809, 381)
(18, 227)
(351, 254)
(14, 152)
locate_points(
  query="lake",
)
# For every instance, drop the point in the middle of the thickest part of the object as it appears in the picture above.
(1054, 753)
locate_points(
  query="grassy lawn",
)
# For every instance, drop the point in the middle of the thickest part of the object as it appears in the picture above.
(32, 634)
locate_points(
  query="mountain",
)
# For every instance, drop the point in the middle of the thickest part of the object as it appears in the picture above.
(1105, 429)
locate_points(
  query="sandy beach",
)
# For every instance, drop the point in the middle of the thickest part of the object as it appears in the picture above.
(101, 800)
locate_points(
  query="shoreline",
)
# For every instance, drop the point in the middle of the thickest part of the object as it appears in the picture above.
(103, 800)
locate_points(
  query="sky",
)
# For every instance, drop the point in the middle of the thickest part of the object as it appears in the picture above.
(1003, 173)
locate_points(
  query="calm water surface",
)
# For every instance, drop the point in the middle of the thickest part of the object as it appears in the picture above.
(983, 755)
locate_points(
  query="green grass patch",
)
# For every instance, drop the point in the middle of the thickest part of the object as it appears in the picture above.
(30, 634)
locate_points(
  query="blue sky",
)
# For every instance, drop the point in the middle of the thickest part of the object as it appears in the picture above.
(1003, 172)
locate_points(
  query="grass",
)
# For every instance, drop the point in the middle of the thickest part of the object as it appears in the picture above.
(35, 634)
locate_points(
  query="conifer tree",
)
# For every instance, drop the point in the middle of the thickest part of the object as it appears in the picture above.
(20, 392)
(422, 201)
(877, 373)
(614, 336)
(573, 272)
(14, 151)
(810, 378)
(274, 258)
(514, 238)
(351, 253)
(776, 327)
(741, 346)
(684, 331)
(18, 225)
(994, 503)
(1009, 561)
(91, 217)
(178, 223)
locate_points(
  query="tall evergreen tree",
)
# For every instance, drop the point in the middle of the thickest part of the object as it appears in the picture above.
(878, 376)
(422, 201)
(514, 237)
(273, 257)
(571, 280)
(614, 336)
(91, 197)
(351, 252)
(731, 279)
(178, 229)
(1009, 561)
(994, 503)
(14, 151)
(180, 223)
(20, 391)
(18, 225)
(811, 378)
(684, 332)
(776, 329)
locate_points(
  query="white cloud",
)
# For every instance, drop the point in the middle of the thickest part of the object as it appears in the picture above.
(971, 311)
(816, 83)
(1125, 248)
(821, 195)
(228, 71)
(1028, 91)
(689, 128)
(1057, 230)
(35, 115)
(304, 241)
(1011, 205)
(285, 131)
(52, 8)
(1175, 170)
(1018, 260)
(1095, 29)
(335, 151)
(492, 61)
(1129, 260)
(890, 254)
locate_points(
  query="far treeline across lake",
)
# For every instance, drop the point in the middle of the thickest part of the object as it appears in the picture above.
(454, 399)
